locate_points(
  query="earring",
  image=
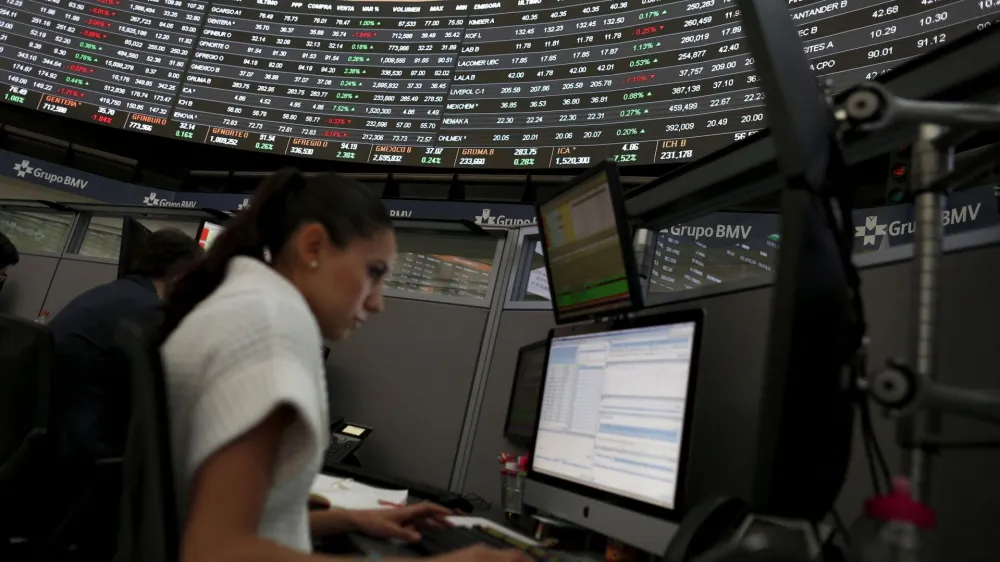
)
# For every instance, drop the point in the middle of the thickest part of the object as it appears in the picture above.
(314, 264)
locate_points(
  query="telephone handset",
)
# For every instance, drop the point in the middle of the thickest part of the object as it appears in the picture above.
(345, 439)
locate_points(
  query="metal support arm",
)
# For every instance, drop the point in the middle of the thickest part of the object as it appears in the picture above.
(900, 389)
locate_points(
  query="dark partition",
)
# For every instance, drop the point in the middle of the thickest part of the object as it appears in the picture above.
(964, 492)
(517, 328)
(23, 294)
(73, 277)
(408, 374)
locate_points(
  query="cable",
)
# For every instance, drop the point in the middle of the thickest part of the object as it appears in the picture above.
(872, 438)
(870, 461)
(478, 501)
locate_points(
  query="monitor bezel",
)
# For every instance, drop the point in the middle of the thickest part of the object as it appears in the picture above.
(675, 513)
(626, 244)
(520, 439)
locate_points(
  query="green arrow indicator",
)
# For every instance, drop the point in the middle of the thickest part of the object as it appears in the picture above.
(650, 94)
(364, 72)
(657, 43)
(645, 111)
(642, 131)
(656, 60)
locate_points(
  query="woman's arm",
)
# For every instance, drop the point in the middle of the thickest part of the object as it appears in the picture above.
(228, 496)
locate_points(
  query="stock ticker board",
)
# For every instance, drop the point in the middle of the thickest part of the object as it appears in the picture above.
(452, 84)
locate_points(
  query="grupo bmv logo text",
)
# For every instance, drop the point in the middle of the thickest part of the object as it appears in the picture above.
(873, 231)
(24, 169)
(152, 200)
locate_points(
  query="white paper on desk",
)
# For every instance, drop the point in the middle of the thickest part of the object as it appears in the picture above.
(348, 494)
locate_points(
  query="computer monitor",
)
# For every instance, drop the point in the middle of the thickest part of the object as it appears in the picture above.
(522, 410)
(207, 234)
(614, 425)
(588, 249)
(134, 237)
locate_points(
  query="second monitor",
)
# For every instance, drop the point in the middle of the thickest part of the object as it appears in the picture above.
(524, 395)
(587, 243)
(613, 428)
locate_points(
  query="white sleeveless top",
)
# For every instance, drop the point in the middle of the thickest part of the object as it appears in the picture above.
(250, 347)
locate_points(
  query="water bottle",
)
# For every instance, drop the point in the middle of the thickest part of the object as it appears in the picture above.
(892, 526)
(43, 318)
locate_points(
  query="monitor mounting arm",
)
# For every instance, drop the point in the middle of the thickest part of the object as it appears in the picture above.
(911, 389)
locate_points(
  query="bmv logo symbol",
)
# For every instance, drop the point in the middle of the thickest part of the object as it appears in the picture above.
(24, 169)
(153, 201)
(869, 231)
(486, 217)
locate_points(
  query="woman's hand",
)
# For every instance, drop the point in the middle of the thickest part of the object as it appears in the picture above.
(482, 553)
(400, 522)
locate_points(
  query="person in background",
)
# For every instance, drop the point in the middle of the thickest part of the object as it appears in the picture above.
(245, 377)
(8, 256)
(90, 388)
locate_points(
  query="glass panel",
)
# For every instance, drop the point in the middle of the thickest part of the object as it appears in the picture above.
(537, 288)
(103, 238)
(36, 231)
(441, 265)
(189, 228)
(716, 249)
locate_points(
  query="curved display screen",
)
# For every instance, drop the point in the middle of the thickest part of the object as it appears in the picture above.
(490, 84)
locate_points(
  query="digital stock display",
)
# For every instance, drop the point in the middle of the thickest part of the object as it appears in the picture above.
(454, 84)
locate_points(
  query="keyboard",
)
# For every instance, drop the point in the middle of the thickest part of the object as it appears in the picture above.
(442, 541)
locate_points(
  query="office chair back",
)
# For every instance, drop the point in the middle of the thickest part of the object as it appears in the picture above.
(149, 530)
(25, 363)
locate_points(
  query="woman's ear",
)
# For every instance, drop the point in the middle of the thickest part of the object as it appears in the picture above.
(309, 243)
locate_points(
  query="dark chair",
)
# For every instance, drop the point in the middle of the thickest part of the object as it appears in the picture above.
(149, 526)
(25, 366)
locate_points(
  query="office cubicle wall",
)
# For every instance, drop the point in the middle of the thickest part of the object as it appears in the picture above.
(732, 367)
(64, 253)
(23, 294)
(409, 373)
(73, 277)
(517, 328)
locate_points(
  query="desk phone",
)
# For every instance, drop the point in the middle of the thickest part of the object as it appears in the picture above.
(345, 439)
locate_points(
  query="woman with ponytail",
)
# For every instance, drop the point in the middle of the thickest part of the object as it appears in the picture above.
(246, 383)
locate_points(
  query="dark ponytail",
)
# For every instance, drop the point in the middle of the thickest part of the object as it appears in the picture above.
(284, 201)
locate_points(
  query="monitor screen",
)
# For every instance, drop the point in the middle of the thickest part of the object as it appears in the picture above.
(588, 271)
(209, 231)
(133, 242)
(523, 409)
(613, 409)
(443, 84)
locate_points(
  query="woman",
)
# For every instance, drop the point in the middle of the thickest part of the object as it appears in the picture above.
(246, 383)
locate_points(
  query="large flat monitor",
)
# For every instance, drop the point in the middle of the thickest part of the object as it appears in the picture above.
(522, 410)
(613, 427)
(588, 249)
(134, 236)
